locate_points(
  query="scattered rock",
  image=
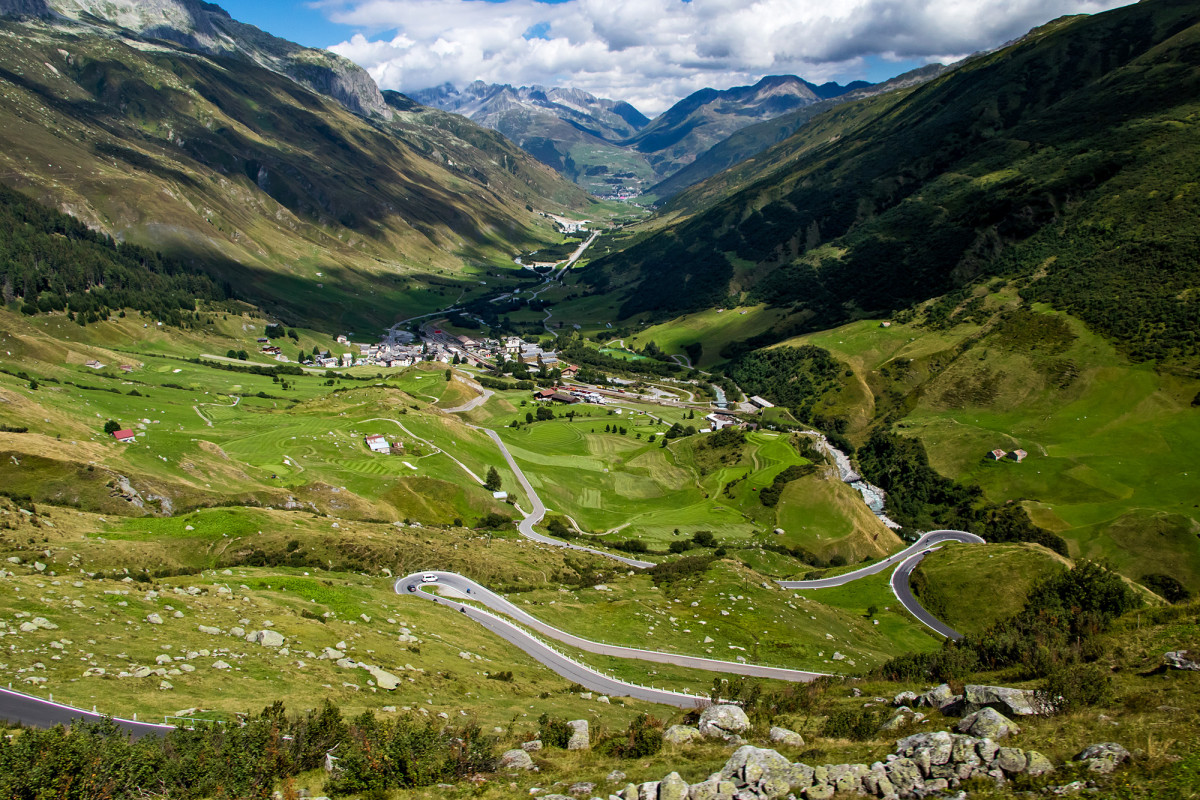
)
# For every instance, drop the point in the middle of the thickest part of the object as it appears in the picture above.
(673, 787)
(1103, 758)
(785, 737)
(1011, 702)
(1178, 659)
(616, 776)
(987, 723)
(532, 747)
(269, 638)
(580, 738)
(220, 665)
(724, 722)
(681, 734)
(581, 788)
(154, 619)
(516, 759)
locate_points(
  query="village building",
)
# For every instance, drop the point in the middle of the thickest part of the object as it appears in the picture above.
(719, 421)
(563, 397)
(378, 443)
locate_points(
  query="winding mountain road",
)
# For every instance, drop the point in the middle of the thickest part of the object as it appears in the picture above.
(926, 540)
(468, 589)
(538, 511)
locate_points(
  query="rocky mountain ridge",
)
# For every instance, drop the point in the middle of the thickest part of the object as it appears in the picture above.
(207, 28)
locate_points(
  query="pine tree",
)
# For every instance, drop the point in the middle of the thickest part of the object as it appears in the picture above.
(492, 484)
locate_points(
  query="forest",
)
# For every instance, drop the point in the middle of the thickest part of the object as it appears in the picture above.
(53, 262)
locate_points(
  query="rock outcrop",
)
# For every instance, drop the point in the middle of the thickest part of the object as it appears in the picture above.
(923, 765)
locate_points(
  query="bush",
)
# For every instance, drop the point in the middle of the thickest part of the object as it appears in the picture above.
(672, 571)
(554, 732)
(642, 738)
(1169, 588)
(856, 724)
(679, 547)
(1074, 687)
(704, 539)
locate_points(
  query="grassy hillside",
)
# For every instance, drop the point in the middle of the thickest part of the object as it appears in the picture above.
(316, 213)
(1111, 444)
(1056, 162)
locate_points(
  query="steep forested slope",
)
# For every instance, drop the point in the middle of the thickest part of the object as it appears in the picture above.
(1063, 162)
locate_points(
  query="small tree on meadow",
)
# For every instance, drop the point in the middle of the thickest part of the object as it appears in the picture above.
(492, 483)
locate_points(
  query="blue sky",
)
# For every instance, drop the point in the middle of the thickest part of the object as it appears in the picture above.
(648, 52)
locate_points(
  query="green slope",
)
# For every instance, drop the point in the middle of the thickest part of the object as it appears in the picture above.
(1059, 161)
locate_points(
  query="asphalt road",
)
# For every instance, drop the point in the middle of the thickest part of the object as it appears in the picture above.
(922, 544)
(468, 588)
(38, 713)
(903, 592)
(538, 511)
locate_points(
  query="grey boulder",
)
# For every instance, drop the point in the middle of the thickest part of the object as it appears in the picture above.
(516, 759)
(1178, 659)
(580, 738)
(724, 722)
(1104, 757)
(681, 734)
(987, 723)
(785, 737)
(1011, 702)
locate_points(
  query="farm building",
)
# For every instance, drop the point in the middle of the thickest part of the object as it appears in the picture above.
(563, 397)
(1018, 455)
(378, 443)
(543, 394)
(996, 455)
(124, 436)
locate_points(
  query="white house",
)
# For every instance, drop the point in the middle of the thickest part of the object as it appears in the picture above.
(719, 421)
(378, 443)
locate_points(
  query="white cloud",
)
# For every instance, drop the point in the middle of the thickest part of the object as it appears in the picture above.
(653, 52)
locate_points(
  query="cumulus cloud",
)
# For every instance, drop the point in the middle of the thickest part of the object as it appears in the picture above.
(653, 52)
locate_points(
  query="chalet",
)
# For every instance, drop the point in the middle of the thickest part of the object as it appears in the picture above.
(343, 340)
(124, 436)
(262, 340)
(93, 364)
(378, 443)
(126, 368)
(570, 370)
(563, 397)
(759, 402)
(885, 324)
(1018, 455)
(543, 394)
(996, 455)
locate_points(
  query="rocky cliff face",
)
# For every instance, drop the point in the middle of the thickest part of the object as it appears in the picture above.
(209, 29)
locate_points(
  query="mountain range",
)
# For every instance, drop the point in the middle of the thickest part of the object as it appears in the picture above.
(280, 169)
(1030, 164)
(609, 147)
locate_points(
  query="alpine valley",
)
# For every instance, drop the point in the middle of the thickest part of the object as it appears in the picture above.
(805, 441)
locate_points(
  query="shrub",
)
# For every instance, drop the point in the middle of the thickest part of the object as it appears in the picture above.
(642, 738)
(554, 732)
(857, 724)
(1073, 687)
